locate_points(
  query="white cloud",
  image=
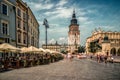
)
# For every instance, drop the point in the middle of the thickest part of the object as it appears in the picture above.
(89, 22)
(60, 12)
(52, 41)
(62, 40)
(65, 12)
(82, 19)
(80, 11)
(58, 30)
(50, 13)
(47, 1)
(41, 42)
(47, 6)
(92, 11)
(40, 23)
(39, 6)
(62, 2)
(54, 25)
(107, 27)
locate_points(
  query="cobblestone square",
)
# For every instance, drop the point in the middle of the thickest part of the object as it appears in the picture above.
(76, 69)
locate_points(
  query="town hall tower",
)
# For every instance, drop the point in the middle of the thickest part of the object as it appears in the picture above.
(73, 34)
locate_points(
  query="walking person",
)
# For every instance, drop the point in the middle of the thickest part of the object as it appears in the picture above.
(91, 57)
(69, 56)
(98, 58)
(105, 58)
(112, 59)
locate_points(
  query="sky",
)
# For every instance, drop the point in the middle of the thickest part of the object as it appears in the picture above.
(91, 15)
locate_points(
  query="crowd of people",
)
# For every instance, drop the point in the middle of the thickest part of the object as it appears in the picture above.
(102, 58)
(18, 60)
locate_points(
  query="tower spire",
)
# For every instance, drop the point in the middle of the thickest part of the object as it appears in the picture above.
(73, 20)
(74, 16)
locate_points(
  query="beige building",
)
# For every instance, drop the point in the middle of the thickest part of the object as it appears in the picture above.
(27, 26)
(73, 35)
(21, 23)
(56, 47)
(33, 29)
(53, 47)
(106, 42)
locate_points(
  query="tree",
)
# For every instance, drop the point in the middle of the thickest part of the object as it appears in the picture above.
(81, 49)
(95, 46)
(64, 52)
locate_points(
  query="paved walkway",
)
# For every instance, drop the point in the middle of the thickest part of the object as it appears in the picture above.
(116, 59)
(66, 70)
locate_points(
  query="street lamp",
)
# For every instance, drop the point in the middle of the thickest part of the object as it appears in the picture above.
(45, 22)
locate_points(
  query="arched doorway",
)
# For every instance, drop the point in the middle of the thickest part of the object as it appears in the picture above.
(113, 51)
(118, 52)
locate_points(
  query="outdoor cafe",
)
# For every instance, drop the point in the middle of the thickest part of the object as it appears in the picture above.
(15, 58)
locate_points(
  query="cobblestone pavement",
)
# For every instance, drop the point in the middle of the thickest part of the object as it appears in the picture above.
(84, 69)
(117, 58)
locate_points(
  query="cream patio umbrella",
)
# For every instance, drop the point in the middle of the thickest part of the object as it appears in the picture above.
(5, 47)
(48, 50)
(42, 50)
(32, 49)
(24, 49)
(52, 51)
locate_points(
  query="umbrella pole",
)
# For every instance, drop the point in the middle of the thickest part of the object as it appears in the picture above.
(4, 55)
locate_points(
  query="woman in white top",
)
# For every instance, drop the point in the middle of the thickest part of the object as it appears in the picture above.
(69, 56)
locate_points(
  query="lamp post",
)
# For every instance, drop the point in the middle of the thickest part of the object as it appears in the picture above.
(45, 22)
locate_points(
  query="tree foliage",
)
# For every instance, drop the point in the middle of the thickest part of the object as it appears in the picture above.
(64, 52)
(81, 49)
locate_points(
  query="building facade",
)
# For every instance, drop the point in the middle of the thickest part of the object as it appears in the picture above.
(73, 35)
(33, 29)
(21, 24)
(7, 22)
(56, 47)
(64, 47)
(53, 47)
(18, 25)
(97, 42)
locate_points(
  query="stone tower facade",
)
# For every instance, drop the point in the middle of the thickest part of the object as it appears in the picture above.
(73, 34)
